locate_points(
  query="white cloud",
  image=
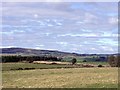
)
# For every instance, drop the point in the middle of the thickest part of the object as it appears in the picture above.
(12, 32)
(83, 35)
(93, 49)
(8, 33)
(89, 18)
(109, 34)
(113, 20)
(41, 23)
(76, 45)
(108, 42)
(40, 45)
(21, 31)
(47, 34)
(59, 24)
(63, 43)
(79, 22)
(107, 48)
(38, 48)
(35, 15)
(50, 25)
(7, 46)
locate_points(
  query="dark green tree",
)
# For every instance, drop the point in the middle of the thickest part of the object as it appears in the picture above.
(74, 60)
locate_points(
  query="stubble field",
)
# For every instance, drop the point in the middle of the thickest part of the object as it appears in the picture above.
(105, 77)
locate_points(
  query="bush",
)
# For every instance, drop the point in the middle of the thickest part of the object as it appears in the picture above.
(19, 69)
(28, 68)
(84, 60)
(100, 65)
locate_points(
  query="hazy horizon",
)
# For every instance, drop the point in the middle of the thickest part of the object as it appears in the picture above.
(77, 27)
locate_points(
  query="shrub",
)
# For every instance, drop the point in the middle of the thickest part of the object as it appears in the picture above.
(28, 68)
(100, 65)
(19, 69)
(84, 60)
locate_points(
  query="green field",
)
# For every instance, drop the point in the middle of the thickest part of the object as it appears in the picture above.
(53, 77)
(14, 66)
(82, 58)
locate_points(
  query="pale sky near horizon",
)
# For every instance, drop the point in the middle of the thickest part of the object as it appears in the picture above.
(80, 27)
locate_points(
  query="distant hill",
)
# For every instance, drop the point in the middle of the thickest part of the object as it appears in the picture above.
(34, 52)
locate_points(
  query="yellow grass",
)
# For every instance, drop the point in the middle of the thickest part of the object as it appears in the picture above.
(62, 78)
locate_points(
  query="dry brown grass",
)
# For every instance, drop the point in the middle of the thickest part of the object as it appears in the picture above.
(62, 78)
(49, 62)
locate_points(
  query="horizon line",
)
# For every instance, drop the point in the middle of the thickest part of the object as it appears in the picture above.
(57, 50)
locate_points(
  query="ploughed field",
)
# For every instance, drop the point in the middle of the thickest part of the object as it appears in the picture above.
(29, 75)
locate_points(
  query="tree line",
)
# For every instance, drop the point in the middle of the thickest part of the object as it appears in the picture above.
(113, 60)
(28, 58)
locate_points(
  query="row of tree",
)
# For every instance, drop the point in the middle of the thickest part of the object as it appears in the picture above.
(113, 60)
(29, 58)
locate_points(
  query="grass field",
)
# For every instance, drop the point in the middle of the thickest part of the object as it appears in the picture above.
(106, 77)
(82, 58)
(14, 66)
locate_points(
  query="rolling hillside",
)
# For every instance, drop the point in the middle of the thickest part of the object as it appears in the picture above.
(34, 52)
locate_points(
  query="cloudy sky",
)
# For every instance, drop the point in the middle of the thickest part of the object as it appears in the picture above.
(81, 27)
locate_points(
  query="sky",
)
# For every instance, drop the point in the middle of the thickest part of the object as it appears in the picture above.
(79, 27)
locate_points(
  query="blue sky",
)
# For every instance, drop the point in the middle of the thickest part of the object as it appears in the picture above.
(81, 27)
